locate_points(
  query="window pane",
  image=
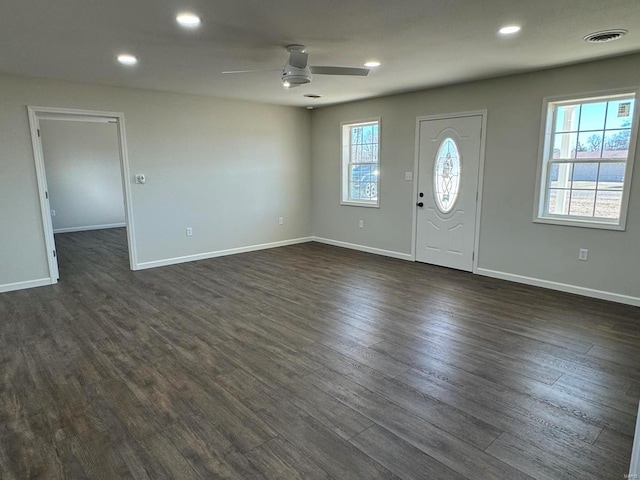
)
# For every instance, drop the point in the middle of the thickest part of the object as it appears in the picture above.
(592, 116)
(375, 133)
(564, 145)
(608, 204)
(560, 175)
(558, 202)
(611, 175)
(616, 144)
(356, 135)
(620, 114)
(446, 175)
(582, 203)
(585, 176)
(567, 118)
(589, 144)
(363, 182)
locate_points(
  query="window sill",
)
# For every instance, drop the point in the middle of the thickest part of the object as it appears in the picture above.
(360, 204)
(580, 223)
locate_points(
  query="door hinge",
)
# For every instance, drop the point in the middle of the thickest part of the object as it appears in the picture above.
(46, 195)
(38, 133)
(54, 253)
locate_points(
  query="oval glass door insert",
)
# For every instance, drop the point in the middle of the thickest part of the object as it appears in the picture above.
(446, 175)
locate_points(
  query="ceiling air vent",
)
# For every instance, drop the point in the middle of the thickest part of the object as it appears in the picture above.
(605, 36)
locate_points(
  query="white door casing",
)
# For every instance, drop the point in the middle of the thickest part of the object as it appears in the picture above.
(449, 159)
(50, 113)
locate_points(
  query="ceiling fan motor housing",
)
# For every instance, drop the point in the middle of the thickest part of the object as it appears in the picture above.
(296, 75)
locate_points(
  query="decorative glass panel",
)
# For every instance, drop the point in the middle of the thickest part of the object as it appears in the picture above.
(446, 175)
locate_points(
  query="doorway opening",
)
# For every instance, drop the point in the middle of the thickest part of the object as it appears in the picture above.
(82, 173)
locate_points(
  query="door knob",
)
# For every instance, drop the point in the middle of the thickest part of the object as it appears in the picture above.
(420, 204)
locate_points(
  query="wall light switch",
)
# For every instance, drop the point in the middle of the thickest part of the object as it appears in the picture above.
(280, 220)
(408, 176)
(53, 213)
(189, 232)
(583, 254)
(361, 223)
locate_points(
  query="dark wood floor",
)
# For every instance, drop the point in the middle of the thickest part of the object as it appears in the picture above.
(309, 362)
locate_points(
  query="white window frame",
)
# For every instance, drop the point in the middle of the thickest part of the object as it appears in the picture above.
(345, 154)
(545, 154)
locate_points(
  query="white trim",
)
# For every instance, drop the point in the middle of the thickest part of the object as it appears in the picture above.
(416, 162)
(220, 253)
(634, 468)
(52, 113)
(546, 127)
(562, 287)
(10, 287)
(364, 248)
(89, 227)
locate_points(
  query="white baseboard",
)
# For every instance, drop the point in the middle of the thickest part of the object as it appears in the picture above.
(89, 227)
(364, 248)
(563, 287)
(220, 253)
(41, 282)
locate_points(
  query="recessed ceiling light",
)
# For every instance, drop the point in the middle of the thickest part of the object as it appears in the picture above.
(372, 64)
(126, 59)
(309, 107)
(510, 29)
(189, 20)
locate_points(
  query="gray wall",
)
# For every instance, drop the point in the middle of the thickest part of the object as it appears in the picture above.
(82, 162)
(226, 168)
(509, 241)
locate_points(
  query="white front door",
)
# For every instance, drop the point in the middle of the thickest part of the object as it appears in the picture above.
(448, 167)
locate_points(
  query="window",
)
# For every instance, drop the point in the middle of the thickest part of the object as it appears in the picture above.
(446, 175)
(586, 161)
(361, 163)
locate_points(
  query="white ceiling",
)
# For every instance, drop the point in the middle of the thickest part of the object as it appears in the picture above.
(421, 43)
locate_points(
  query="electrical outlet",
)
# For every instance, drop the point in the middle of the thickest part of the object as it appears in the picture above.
(408, 176)
(280, 220)
(53, 213)
(189, 232)
(361, 223)
(583, 254)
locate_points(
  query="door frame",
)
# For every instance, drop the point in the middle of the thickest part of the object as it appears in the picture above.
(68, 114)
(416, 173)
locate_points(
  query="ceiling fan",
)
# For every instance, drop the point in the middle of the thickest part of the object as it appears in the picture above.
(298, 72)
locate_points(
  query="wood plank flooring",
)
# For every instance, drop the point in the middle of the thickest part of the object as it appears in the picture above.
(309, 362)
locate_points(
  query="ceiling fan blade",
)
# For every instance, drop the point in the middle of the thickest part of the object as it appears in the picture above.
(298, 59)
(250, 71)
(360, 72)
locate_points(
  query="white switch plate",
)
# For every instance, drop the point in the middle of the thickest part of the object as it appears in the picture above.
(53, 213)
(280, 220)
(583, 254)
(408, 176)
(361, 223)
(189, 232)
